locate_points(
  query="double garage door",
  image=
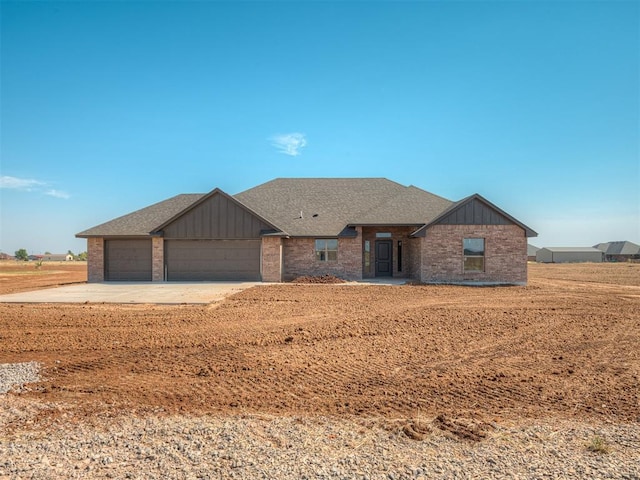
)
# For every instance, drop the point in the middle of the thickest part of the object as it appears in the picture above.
(185, 260)
(212, 260)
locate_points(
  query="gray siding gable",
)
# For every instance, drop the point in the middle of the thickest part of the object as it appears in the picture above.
(474, 210)
(215, 216)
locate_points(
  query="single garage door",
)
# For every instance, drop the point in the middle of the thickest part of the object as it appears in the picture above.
(212, 260)
(128, 260)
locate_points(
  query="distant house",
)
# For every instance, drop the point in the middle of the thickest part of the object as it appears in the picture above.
(621, 251)
(6, 256)
(531, 252)
(353, 228)
(569, 255)
(34, 258)
(57, 257)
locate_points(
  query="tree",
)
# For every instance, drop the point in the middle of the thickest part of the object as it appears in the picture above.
(81, 257)
(47, 253)
(22, 255)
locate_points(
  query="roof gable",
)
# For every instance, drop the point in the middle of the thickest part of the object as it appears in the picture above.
(619, 248)
(475, 210)
(215, 215)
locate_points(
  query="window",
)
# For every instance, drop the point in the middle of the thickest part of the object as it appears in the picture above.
(473, 250)
(383, 235)
(367, 254)
(399, 255)
(327, 250)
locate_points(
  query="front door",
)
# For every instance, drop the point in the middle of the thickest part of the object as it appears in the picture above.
(384, 258)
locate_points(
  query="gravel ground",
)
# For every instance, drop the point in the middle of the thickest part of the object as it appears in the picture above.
(204, 447)
(15, 375)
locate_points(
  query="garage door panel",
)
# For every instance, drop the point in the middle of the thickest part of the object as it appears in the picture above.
(212, 260)
(128, 260)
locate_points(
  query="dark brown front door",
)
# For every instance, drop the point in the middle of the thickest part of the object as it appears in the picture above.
(384, 258)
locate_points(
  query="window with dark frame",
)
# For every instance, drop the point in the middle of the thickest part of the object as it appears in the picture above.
(327, 249)
(473, 252)
(399, 255)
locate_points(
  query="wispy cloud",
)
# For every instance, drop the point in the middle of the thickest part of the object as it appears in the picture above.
(289, 143)
(19, 183)
(57, 194)
(31, 185)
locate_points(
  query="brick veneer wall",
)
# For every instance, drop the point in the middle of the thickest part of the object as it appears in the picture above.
(300, 259)
(271, 259)
(414, 260)
(505, 254)
(95, 260)
(397, 234)
(157, 259)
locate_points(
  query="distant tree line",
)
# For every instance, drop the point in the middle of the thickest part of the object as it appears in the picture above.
(22, 255)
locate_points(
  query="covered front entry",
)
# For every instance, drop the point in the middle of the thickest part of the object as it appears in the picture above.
(384, 258)
(212, 260)
(127, 260)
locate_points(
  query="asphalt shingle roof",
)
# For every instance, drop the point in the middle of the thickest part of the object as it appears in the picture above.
(324, 206)
(572, 249)
(145, 220)
(619, 248)
(302, 207)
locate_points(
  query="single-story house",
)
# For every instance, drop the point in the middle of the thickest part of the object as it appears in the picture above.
(621, 251)
(57, 257)
(569, 255)
(356, 228)
(531, 252)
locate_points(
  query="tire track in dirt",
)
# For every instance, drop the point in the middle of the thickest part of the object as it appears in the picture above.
(547, 349)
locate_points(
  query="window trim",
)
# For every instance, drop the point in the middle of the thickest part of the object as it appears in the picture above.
(483, 256)
(325, 250)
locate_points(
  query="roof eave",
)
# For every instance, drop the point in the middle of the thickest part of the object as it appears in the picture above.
(215, 191)
(529, 232)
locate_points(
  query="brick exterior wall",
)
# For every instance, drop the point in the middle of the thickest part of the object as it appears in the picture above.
(157, 259)
(397, 234)
(300, 259)
(505, 254)
(414, 261)
(95, 260)
(271, 259)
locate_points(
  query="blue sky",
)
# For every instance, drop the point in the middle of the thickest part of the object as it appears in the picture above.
(107, 107)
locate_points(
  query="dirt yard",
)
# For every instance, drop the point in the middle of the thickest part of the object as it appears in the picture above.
(24, 276)
(565, 347)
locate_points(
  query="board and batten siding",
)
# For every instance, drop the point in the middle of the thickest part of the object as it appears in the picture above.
(219, 217)
(475, 213)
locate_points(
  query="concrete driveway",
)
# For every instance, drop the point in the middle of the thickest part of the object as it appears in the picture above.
(139, 292)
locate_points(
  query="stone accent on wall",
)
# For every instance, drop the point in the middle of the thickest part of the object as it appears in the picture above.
(505, 254)
(95, 259)
(157, 259)
(271, 259)
(300, 259)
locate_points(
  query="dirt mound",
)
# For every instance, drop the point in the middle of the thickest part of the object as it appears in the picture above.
(327, 279)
